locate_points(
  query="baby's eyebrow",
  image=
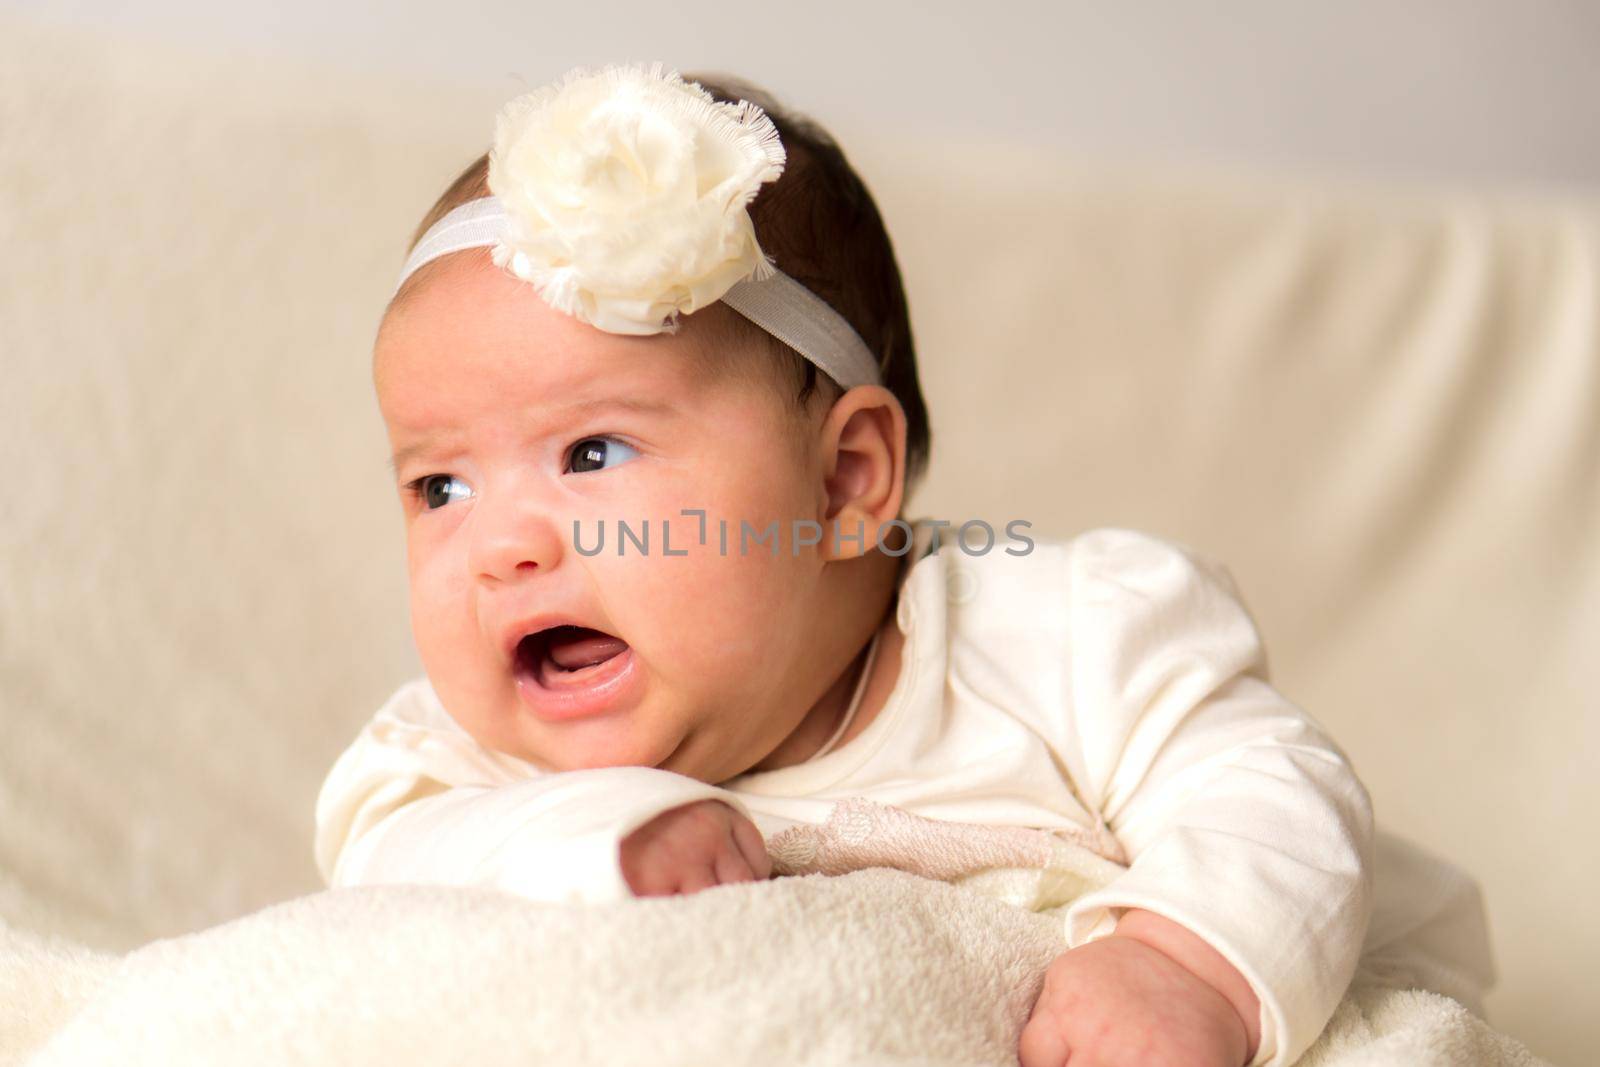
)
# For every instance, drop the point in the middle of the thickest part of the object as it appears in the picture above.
(561, 416)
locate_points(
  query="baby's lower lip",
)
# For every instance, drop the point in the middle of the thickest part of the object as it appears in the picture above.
(557, 697)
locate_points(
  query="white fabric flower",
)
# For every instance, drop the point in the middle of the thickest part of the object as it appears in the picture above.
(627, 191)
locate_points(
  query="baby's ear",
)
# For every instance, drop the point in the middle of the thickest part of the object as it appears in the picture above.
(864, 467)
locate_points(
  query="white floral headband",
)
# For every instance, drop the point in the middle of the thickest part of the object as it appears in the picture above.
(622, 197)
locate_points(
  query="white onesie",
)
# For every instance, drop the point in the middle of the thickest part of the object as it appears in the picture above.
(1112, 685)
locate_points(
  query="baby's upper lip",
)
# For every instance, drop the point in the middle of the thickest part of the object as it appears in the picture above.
(511, 635)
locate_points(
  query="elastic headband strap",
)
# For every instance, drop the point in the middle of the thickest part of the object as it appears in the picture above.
(778, 304)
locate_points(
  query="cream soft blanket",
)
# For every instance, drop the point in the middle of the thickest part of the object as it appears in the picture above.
(875, 966)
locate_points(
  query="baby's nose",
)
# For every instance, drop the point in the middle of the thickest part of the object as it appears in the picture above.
(512, 541)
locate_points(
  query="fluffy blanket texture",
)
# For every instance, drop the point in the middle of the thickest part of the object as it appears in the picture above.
(878, 965)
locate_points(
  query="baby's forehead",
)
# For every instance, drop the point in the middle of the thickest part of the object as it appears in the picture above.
(476, 318)
(426, 386)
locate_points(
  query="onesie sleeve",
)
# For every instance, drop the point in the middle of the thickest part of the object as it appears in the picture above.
(414, 800)
(1241, 819)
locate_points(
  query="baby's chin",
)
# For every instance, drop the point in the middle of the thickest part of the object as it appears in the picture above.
(590, 745)
(676, 752)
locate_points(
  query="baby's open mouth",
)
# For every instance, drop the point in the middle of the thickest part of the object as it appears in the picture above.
(566, 655)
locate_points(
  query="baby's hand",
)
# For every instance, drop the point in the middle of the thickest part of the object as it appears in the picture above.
(694, 847)
(1118, 1002)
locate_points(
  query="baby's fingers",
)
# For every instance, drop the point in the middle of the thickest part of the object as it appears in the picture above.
(1042, 1043)
(697, 878)
(731, 867)
(754, 848)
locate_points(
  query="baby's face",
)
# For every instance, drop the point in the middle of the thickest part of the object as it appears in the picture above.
(510, 422)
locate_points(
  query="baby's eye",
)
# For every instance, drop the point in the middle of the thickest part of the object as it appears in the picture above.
(432, 490)
(597, 453)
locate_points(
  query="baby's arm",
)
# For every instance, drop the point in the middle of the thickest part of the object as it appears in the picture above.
(556, 837)
(1127, 1001)
(1246, 826)
(1190, 951)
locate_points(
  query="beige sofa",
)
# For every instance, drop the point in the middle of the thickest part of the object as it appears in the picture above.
(1379, 406)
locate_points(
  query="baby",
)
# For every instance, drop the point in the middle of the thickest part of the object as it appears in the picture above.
(668, 605)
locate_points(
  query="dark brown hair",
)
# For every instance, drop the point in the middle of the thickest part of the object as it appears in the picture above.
(819, 224)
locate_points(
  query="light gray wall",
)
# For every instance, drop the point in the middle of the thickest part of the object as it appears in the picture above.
(1470, 91)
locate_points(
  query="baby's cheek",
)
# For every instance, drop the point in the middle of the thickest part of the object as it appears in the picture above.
(712, 628)
(752, 595)
(443, 627)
